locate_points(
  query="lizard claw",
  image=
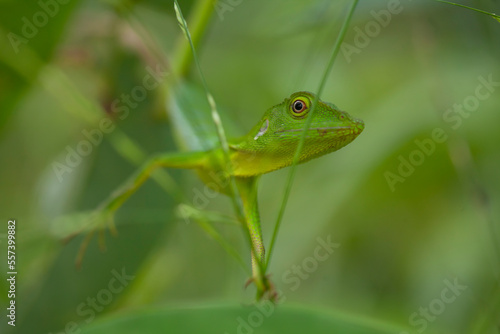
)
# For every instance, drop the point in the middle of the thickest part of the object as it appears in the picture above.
(269, 292)
(88, 223)
(249, 281)
(98, 222)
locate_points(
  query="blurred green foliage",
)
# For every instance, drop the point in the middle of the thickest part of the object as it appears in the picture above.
(399, 247)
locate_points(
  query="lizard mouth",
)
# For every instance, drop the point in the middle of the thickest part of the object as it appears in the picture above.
(354, 129)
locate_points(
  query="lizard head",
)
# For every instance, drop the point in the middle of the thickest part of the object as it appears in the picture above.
(276, 136)
(278, 132)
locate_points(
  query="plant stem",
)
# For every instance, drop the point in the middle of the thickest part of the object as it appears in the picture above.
(198, 22)
(234, 193)
(291, 174)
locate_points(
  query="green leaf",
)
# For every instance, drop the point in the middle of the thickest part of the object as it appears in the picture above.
(261, 318)
(142, 224)
(188, 109)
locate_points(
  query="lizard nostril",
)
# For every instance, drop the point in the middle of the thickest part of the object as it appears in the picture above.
(360, 125)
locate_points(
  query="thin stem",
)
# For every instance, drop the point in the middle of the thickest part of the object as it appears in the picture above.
(199, 17)
(495, 16)
(234, 194)
(291, 174)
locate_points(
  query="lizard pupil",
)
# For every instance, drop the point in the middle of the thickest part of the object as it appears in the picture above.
(299, 106)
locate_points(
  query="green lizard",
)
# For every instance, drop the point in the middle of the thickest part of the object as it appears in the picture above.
(269, 146)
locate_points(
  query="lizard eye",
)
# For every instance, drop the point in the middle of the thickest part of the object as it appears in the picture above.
(299, 107)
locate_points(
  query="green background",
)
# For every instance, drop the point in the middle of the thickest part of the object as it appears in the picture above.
(399, 246)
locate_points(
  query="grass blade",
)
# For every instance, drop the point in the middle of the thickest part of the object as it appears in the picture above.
(235, 198)
(493, 15)
(291, 174)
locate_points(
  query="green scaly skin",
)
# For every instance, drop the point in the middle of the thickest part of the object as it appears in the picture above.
(269, 146)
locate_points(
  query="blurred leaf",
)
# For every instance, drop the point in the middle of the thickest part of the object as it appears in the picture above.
(61, 288)
(38, 25)
(262, 318)
(141, 224)
(52, 308)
